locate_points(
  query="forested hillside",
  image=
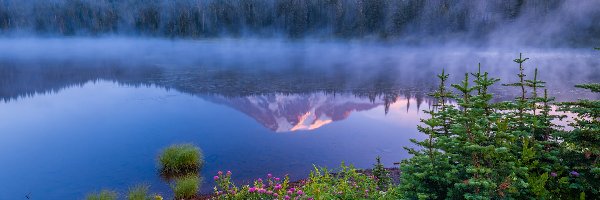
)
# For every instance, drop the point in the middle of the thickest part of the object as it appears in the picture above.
(407, 20)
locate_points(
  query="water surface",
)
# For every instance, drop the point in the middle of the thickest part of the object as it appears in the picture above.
(79, 115)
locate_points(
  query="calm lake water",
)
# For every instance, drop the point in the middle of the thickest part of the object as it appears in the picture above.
(80, 115)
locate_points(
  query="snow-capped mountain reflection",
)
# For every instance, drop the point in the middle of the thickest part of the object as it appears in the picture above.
(296, 112)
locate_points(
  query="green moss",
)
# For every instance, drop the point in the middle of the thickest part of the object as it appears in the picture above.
(180, 159)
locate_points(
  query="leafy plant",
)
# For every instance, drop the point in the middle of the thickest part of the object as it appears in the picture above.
(347, 183)
(270, 188)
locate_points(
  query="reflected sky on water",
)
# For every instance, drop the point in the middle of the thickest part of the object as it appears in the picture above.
(79, 118)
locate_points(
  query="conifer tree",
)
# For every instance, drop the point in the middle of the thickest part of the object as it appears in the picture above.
(477, 149)
(381, 175)
(428, 174)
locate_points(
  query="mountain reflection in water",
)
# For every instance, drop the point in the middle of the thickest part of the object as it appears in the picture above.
(272, 100)
(295, 112)
(289, 94)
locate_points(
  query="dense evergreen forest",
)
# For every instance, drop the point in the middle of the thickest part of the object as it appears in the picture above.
(409, 20)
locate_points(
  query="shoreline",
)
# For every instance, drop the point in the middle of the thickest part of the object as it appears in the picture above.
(393, 173)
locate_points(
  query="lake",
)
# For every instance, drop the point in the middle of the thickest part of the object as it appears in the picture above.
(78, 115)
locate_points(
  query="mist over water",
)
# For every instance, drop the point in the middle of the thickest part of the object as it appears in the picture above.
(233, 67)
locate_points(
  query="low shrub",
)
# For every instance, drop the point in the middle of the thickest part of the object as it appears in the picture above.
(139, 192)
(347, 183)
(180, 159)
(186, 187)
(271, 188)
(102, 195)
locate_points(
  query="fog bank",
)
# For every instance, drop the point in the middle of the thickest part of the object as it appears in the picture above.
(255, 67)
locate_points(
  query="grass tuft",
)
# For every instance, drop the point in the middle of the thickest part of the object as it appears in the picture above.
(186, 187)
(180, 159)
(139, 192)
(102, 195)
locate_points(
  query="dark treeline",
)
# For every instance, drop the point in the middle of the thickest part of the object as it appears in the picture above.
(18, 81)
(406, 19)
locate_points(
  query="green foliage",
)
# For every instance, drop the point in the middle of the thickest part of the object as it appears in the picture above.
(186, 187)
(271, 188)
(478, 149)
(428, 173)
(139, 192)
(581, 145)
(347, 183)
(594, 87)
(103, 195)
(381, 175)
(180, 159)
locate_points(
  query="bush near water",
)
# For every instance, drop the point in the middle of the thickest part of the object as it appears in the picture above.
(181, 159)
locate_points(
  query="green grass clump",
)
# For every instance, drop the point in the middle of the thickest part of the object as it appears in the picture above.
(181, 159)
(139, 192)
(186, 187)
(102, 195)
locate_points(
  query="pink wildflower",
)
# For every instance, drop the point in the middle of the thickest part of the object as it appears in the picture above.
(216, 178)
(574, 173)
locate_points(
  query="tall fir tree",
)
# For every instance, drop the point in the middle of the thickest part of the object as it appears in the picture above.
(429, 174)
